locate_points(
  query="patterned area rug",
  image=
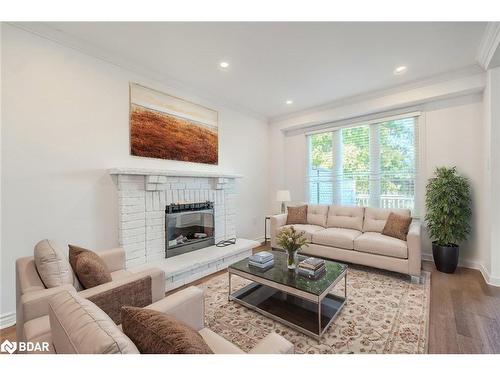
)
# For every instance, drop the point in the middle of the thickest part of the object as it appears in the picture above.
(384, 313)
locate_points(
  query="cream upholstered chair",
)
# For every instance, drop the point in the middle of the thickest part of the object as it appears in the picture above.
(126, 288)
(79, 327)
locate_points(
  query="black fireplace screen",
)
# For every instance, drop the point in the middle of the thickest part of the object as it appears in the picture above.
(188, 227)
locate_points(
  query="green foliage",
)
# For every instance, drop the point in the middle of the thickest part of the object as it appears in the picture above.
(397, 155)
(448, 206)
(356, 156)
(321, 150)
(290, 239)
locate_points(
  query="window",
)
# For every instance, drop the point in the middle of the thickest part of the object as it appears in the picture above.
(368, 165)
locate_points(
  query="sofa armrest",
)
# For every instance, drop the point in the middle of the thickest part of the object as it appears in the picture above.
(187, 305)
(36, 304)
(277, 221)
(157, 284)
(273, 344)
(114, 258)
(414, 248)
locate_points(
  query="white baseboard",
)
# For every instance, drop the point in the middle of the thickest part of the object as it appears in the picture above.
(259, 239)
(7, 319)
(490, 280)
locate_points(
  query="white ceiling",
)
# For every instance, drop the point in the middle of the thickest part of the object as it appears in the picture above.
(311, 63)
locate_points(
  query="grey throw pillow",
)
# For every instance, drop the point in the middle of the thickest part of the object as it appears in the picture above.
(51, 264)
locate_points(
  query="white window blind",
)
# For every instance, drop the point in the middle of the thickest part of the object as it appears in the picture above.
(368, 165)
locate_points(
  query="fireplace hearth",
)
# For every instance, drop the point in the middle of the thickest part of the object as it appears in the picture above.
(188, 227)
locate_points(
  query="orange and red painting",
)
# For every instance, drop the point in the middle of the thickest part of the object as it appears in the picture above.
(165, 127)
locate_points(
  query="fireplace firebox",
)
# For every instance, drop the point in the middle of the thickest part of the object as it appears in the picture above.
(188, 227)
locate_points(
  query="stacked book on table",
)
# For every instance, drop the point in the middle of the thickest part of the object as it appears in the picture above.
(262, 260)
(312, 268)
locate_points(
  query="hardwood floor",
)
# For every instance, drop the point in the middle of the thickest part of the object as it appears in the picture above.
(464, 312)
(8, 334)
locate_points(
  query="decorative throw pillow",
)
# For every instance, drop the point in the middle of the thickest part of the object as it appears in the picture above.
(397, 226)
(51, 264)
(88, 267)
(78, 326)
(297, 215)
(154, 332)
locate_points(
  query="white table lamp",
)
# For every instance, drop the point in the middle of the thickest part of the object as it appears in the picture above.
(283, 196)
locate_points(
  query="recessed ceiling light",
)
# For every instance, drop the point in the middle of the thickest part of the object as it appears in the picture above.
(224, 64)
(400, 70)
(289, 101)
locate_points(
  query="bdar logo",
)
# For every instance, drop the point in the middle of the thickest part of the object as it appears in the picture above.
(9, 347)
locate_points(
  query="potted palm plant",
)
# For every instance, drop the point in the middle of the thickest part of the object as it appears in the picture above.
(448, 214)
(291, 241)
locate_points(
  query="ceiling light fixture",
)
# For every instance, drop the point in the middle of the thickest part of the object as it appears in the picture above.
(289, 102)
(400, 70)
(224, 64)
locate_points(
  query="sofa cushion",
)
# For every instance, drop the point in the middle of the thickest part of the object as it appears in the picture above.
(349, 217)
(218, 344)
(397, 226)
(316, 214)
(51, 264)
(79, 326)
(306, 228)
(38, 331)
(375, 218)
(36, 328)
(336, 237)
(154, 332)
(377, 243)
(297, 215)
(89, 267)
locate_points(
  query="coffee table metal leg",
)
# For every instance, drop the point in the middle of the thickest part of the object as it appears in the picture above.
(345, 286)
(229, 290)
(319, 319)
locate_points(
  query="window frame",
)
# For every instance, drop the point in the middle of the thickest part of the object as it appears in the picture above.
(419, 150)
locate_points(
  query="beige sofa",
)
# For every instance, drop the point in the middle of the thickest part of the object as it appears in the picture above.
(32, 321)
(79, 327)
(354, 234)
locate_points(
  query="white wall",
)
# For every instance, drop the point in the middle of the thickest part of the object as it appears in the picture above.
(64, 122)
(492, 178)
(452, 134)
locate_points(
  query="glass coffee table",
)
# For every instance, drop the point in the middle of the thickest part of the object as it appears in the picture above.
(304, 304)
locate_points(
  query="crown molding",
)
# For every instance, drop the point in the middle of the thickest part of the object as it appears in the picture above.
(489, 44)
(54, 35)
(456, 75)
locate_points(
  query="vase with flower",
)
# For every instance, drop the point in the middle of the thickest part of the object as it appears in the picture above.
(291, 241)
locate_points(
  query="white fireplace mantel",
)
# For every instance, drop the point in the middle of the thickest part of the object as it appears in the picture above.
(172, 173)
(143, 195)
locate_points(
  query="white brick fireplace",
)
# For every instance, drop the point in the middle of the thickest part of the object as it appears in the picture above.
(143, 195)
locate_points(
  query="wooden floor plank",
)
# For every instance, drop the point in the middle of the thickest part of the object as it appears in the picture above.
(489, 330)
(470, 345)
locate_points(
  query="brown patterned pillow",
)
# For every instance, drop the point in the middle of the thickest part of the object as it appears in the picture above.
(154, 332)
(297, 215)
(88, 267)
(397, 226)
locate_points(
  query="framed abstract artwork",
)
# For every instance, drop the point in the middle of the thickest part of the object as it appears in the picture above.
(166, 127)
